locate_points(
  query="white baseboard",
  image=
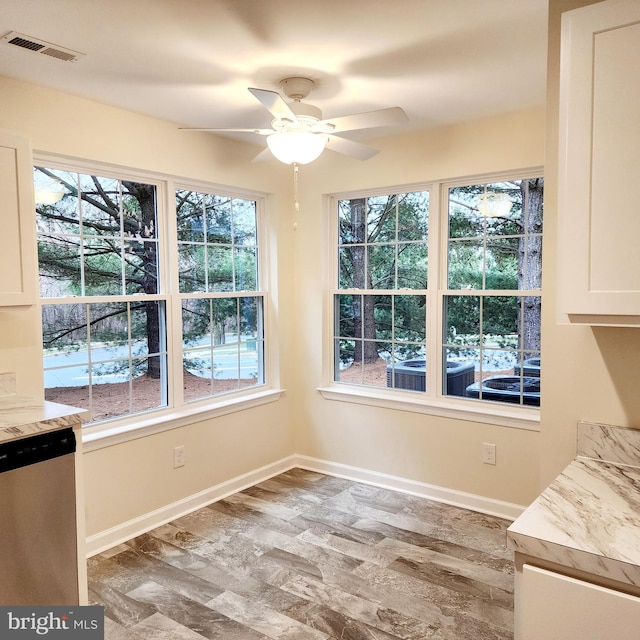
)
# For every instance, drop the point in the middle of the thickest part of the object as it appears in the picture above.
(499, 508)
(104, 540)
(121, 533)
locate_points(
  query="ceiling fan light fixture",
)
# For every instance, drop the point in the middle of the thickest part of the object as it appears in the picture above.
(296, 147)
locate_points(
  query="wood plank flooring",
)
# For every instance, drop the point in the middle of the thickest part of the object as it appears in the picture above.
(304, 556)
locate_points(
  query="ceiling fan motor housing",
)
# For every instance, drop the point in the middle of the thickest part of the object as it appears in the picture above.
(296, 88)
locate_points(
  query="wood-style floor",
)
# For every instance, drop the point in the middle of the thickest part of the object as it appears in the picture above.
(304, 556)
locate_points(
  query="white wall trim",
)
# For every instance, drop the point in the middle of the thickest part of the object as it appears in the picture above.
(474, 502)
(121, 533)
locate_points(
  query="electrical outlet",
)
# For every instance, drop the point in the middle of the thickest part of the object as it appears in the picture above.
(488, 453)
(178, 457)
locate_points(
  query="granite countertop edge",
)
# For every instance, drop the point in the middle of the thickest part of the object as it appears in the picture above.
(587, 519)
(22, 416)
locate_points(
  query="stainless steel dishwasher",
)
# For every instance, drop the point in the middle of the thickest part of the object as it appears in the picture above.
(38, 536)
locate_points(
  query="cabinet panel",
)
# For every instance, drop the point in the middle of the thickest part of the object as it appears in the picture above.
(598, 211)
(555, 607)
(18, 270)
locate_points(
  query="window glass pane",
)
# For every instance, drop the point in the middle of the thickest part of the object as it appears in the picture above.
(351, 265)
(502, 263)
(191, 268)
(412, 266)
(218, 219)
(352, 221)
(246, 269)
(381, 219)
(413, 216)
(244, 222)
(466, 264)
(382, 268)
(347, 314)
(100, 207)
(102, 267)
(461, 370)
(344, 361)
(141, 267)
(409, 318)
(220, 268)
(190, 216)
(462, 320)
(530, 322)
(408, 369)
(500, 320)
(60, 265)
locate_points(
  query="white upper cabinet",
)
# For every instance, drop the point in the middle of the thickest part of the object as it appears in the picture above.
(18, 270)
(599, 165)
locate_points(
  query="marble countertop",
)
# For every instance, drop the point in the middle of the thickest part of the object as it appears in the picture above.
(22, 416)
(589, 516)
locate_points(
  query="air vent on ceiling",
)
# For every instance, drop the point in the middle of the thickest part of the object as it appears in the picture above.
(41, 46)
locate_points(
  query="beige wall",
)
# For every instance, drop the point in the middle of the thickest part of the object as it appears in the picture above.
(423, 448)
(128, 480)
(589, 374)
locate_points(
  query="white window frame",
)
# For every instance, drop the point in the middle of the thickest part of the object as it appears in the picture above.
(178, 413)
(433, 402)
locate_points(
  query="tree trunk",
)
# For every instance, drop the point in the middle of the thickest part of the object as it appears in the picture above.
(530, 264)
(364, 320)
(146, 230)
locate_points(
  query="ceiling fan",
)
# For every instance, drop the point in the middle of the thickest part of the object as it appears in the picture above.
(299, 134)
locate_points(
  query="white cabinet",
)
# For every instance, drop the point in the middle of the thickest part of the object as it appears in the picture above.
(599, 165)
(18, 255)
(552, 606)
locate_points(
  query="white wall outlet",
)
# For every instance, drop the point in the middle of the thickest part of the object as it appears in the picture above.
(488, 453)
(178, 457)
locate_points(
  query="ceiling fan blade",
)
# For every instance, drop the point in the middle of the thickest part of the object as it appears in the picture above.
(368, 120)
(275, 104)
(260, 132)
(350, 148)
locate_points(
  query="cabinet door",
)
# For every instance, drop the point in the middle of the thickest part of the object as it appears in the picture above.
(598, 206)
(18, 270)
(556, 607)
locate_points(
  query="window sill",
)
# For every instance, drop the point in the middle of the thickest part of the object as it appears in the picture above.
(470, 410)
(110, 433)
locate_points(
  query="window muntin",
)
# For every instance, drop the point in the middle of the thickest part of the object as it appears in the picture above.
(488, 317)
(107, 309)
(382, 249)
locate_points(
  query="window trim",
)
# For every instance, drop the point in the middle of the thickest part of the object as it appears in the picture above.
(435, 404)
(178, 414)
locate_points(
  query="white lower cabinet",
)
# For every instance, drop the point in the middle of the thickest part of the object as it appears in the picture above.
(552, 606)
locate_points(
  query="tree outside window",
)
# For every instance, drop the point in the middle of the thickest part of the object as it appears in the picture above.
(105, 310)
(491, 303)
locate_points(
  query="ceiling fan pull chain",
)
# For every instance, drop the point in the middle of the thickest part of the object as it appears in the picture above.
(296, 204)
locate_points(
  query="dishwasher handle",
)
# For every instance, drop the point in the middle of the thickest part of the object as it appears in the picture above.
(33, 449)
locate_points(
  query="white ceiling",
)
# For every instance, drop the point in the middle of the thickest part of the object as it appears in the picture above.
(191, 61)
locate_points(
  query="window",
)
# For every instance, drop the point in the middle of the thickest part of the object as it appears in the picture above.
(382, 251)
(116, 288)
(223, 339)
(448, 305)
